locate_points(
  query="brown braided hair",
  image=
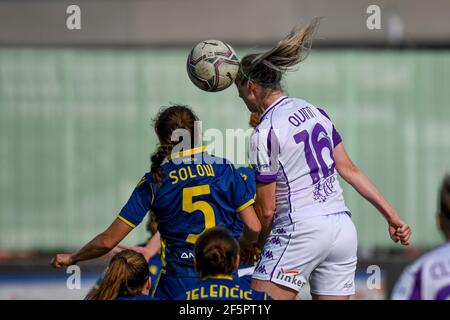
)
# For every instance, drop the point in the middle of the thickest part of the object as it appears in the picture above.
(166, 122)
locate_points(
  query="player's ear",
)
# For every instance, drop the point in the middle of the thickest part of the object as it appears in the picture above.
(251, 86)
(238, 260)
(148, 284)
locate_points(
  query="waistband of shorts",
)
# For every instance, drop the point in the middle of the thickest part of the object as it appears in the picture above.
(295, 217)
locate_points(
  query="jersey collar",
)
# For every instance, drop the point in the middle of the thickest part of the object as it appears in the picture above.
(220, 276)
(188, 152)
(273, 105)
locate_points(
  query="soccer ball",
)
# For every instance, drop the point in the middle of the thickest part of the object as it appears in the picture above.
(212, 65)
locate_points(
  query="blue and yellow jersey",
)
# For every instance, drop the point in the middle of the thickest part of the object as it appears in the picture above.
(199, 191)
(140, 297)
(221, 288)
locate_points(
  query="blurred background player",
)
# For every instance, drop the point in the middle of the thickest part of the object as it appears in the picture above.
(296, 151)
(126, 278)
(429, 277)
(216, 260)
(189, 193)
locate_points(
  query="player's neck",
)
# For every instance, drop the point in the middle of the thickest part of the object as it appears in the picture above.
(270, 99)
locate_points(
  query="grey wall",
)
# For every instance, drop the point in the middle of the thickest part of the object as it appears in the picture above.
(175, 22)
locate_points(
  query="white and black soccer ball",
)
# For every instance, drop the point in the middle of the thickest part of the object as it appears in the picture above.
(212, 65)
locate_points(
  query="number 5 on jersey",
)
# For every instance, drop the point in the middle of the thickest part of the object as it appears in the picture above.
(189, 206)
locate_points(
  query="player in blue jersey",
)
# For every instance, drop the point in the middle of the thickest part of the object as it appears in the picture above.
(126, 278)
(250, 254)
(216, 259)
(189, 192)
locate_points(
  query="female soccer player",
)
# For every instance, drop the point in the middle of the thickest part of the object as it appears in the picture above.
(188, 191)
(216, 259)
(126, 278)
(297, 152)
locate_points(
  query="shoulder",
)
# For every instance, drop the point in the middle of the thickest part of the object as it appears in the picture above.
(439, 253)
(246, 173)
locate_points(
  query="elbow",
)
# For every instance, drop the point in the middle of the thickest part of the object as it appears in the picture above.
(267, 212)
(256, 227)
(349, 172)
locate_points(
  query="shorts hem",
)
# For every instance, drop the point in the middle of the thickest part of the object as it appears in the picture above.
(287, 285)
(260, 277)
(332, 293)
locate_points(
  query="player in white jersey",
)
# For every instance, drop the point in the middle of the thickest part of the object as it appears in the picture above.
(297, 152)
(429, 277)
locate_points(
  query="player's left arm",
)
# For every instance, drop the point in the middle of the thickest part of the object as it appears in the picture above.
(97, 247)
(149, 251)
(252, 226)
(398, 230)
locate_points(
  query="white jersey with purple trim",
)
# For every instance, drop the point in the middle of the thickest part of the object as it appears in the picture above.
(428, 278)
(293, 145)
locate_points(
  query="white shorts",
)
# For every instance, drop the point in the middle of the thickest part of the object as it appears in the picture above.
(321, 250)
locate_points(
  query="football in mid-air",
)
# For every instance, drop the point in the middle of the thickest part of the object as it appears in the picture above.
(212, 65)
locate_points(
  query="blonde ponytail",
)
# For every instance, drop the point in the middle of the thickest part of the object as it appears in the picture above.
(267, 68)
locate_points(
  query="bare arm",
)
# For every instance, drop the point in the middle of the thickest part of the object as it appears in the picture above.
(265, 208)
(252, 225)
(97, 247)
(398, 229)
(151, 248)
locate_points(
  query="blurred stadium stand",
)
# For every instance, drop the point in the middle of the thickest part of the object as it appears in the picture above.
(76, 108)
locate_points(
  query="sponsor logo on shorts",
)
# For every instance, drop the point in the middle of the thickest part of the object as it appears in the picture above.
(280, 231)
(261, 269)
(275, 240)
(268, 254)
(348, 285)
(288, 272)
(291, 276)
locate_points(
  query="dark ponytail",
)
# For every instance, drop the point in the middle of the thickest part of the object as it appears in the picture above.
(216, 252)
(166, 122)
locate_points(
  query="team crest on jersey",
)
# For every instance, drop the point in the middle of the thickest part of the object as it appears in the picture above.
(322, 191)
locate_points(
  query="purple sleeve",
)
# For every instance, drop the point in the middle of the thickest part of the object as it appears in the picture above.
(337, 139)
(416, 292)
(265, 178)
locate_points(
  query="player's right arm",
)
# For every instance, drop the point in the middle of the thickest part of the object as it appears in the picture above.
(97, 247)
(149, 251)
(129, 217)
(398, 230)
